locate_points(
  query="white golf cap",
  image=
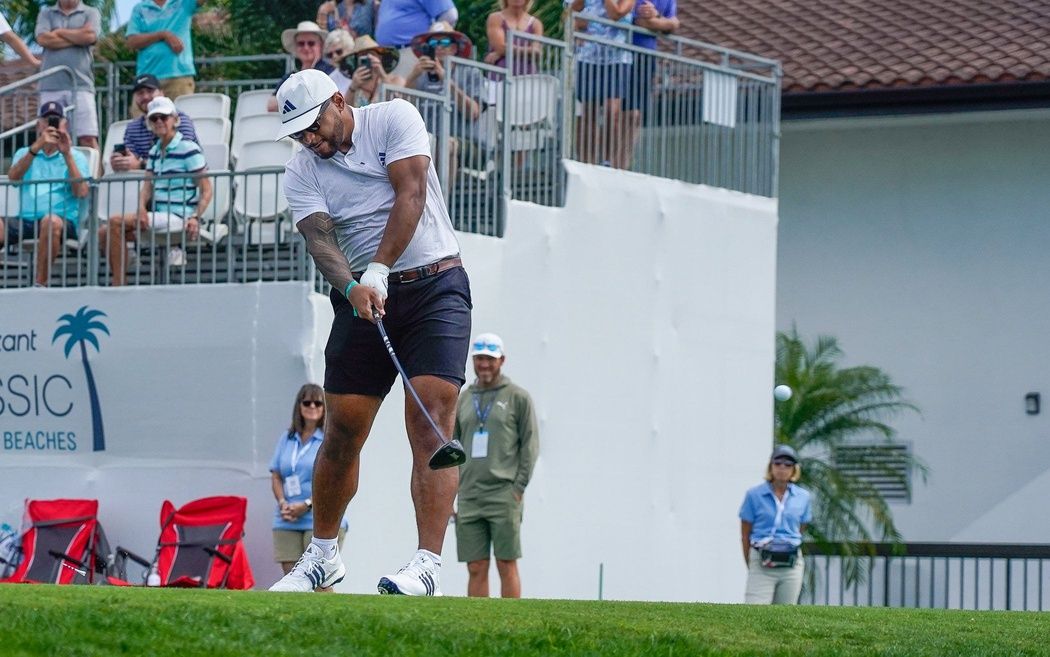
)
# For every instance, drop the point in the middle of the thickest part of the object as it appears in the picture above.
(161, 105)
(299, 100)
(487, 344)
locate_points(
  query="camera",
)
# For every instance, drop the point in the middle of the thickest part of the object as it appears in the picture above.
(54, 121)
(427, 50)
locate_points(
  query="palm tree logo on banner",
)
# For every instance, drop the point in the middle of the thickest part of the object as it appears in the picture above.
(81, 327)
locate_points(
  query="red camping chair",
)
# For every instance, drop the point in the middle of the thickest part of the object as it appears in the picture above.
(64, 544)
(199, 546)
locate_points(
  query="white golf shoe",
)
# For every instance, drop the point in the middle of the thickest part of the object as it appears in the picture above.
(312, 571)
(422, 576)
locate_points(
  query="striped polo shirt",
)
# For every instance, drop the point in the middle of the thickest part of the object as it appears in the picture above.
(139, 139)
(175, 195)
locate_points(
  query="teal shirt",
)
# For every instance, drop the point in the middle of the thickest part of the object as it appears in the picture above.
(42, 199)
(175, 195)
(176, 17)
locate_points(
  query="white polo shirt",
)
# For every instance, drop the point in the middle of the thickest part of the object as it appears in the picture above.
(355, 189)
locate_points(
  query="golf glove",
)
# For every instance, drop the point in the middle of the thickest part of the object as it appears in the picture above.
(376, 276)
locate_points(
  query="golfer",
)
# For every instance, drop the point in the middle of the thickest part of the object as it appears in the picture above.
(365, 196)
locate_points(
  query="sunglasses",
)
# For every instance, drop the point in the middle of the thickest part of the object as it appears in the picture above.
(486, 346)
(312, 403)
(307, 44)
(298, 136)
(334, 53)
(445, 42)
(157, 118)
(784, 462)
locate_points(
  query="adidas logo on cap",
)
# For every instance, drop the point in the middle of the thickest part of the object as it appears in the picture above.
(288, 107)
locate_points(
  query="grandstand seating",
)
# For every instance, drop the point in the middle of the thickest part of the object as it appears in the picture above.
(204, 106)
(253, 128)
(114, 136)
(217, 156)
(212, 130)
(252, 103)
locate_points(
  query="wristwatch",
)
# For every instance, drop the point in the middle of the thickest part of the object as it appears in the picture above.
(309, 503)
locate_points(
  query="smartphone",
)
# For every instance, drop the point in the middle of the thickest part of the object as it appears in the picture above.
(54, 121)
(366, 65)
(120, 148)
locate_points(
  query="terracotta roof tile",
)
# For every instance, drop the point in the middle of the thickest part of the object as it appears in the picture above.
(868, 44)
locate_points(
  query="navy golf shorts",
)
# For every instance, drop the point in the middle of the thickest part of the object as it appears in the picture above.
(428, 321)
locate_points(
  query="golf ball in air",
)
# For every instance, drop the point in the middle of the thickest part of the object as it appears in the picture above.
(782, 393)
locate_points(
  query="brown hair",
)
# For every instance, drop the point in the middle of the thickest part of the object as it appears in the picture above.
(528, 5)
(796, 474)
(309, 392)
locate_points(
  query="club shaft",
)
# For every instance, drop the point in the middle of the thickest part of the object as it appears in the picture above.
(404, 377)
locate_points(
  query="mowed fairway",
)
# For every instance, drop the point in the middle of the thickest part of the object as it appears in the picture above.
(70, 621)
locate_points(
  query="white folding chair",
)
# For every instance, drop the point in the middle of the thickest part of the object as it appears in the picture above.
(204, 106)
(258, 154)
(214, 226)
(9, 198)
(257, 127)
(532, 110)
(252, 103)
(259, 201)
(217, 156)
(114, 136)
(212, 130)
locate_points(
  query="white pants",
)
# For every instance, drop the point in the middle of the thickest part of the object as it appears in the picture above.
(85, 116)
(165, 222)
(778, 586)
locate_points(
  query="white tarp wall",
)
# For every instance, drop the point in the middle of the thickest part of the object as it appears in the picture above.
(640, 317)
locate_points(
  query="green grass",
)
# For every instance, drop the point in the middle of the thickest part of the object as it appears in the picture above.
(73, 621)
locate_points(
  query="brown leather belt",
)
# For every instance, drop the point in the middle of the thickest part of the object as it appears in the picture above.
(419, 273)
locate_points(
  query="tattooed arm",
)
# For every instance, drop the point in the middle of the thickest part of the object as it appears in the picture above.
(319, 231)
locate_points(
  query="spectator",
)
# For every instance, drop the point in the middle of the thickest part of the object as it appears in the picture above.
(67, 31)
(291, 476)
(496, 423)
(358, 17)
(372, 65)
(657, 16)
(338, 46)
(166, 205)
(601, 82)
(402, 20)
(161, 31)
(8, 36)
(513, 15)
(306, 42)
(466, 85)
(138, 138)
(48, 211)
(772, 519)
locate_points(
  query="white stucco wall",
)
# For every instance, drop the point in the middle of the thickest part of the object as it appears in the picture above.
(922, 244)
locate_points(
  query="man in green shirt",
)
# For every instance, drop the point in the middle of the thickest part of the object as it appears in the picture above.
(496, 423)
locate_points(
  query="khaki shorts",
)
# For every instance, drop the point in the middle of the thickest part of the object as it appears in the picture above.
(289, 544)
(493, 525)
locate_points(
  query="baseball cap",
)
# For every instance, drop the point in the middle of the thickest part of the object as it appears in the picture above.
(784, 451)
(487, 344)
(299, 100)
(51, 108)
(145, 81)
(161, 105)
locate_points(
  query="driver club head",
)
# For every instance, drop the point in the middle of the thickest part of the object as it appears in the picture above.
(448, 455)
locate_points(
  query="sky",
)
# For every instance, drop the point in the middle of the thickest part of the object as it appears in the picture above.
(124, 11)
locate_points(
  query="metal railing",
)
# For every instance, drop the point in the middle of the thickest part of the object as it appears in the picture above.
(115, 81)
(245, 233)
(936, 575)
(19, 101)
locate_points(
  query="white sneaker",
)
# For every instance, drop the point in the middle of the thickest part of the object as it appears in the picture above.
(420, 577)
(312, 571)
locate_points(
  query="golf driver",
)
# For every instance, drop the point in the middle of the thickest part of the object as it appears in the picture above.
(451, 452)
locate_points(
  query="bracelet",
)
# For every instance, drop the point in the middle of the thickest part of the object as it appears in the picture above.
(349, 286)
(33, 153)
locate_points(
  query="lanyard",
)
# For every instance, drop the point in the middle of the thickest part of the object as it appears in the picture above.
(777, 519)
(297, 454)
(483, 416)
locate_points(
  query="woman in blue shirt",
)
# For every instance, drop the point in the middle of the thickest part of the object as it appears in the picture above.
(291, 474)
(772, 519)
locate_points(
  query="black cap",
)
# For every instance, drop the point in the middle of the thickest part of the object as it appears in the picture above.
(52, 108)
(146, 81)
(784, 452)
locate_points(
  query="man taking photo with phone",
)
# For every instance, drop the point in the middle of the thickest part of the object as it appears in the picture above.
(48, 211)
